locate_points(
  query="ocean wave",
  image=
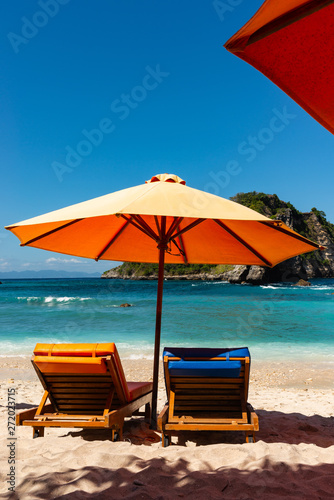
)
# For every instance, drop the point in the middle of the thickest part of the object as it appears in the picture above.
(314, 288)
(321, 287)
(52, 299)
(280, 287)
(66, 299)
(201, 283)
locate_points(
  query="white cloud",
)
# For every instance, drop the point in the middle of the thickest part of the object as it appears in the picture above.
(53, 260)
(4, 264)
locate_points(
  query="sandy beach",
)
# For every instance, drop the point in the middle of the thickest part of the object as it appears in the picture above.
(292, 458)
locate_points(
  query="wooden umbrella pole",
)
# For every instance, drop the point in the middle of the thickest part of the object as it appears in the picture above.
(162, 248)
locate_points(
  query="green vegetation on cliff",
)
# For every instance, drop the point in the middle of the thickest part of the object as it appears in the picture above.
(266, 204)
(323, 221)
(129, 269)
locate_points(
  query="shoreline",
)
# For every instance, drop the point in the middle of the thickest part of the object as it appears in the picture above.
(269, 374)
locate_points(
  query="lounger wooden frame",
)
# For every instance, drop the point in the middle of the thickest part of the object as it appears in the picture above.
(92, 400)
(207, 403)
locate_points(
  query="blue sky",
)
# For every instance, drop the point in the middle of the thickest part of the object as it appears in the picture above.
(155, 80)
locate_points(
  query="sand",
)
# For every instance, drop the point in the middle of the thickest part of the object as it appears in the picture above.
(293, 456)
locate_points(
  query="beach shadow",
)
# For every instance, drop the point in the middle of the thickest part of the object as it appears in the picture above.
(295, 428)
(21, 406)
(275, 427)
(24, 406)
(135, 431)
(162, 479)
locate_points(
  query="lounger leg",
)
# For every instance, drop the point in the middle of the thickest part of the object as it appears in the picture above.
(114, 435)
(148, 411)
(37, 432)
(165, 440)
(117, 433)
(250, 437)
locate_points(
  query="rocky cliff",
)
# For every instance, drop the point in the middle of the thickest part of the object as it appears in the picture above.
(312, 225)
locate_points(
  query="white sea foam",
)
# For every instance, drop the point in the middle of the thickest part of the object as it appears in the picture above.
(50, 299)
(29, 299)
(269, 287)
(271, 351)
(65, 299)
(291, 287)
(24, 356)
(297, 287)
(318, 287)
(201, 283)
(138, 356)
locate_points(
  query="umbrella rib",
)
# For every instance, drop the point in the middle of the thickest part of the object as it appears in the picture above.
(113, 239)
(184, 255)
(136, 225)
(175, 224)
(144, 225)
(287, 19)
(277, 227)
(187, 228)
(49, 232)
(158, 227)
(243, 242)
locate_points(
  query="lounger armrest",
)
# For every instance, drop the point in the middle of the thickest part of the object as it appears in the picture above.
(162, 418)
(128, 409)
(30, 414)
(25, 415)
(252, 416)
(114, 417)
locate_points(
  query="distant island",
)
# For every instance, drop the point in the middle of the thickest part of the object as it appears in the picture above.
(312, 225)
(46, 274)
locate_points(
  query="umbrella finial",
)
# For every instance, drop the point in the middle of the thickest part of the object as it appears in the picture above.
(166, 178)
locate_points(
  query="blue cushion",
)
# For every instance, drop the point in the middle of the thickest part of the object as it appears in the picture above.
(225, 369)
(206, 352)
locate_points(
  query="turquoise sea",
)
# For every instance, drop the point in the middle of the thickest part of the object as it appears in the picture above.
(277, 322)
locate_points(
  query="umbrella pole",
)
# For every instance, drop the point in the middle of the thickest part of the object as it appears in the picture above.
(162, 248)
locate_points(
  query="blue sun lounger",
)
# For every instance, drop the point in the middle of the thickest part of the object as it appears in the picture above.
(207, 390)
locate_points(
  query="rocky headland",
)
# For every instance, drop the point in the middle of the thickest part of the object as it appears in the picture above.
(312, 225)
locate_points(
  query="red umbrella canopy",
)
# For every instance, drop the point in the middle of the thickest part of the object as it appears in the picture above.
(292, 43)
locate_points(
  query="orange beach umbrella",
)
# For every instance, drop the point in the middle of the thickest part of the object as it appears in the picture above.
(292, 43)
(162, 221)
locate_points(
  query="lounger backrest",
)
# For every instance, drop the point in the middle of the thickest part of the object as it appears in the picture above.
(68, 370)
(229, 367)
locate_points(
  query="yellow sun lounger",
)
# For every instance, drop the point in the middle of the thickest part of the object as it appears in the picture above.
(86, 388)
(207, 390)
